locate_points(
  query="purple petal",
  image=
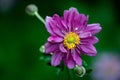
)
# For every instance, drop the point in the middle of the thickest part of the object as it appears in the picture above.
(72, 13)
(76, 57)
(52, 27)
(88, 49)
(74, 20)
(81, 22)
(89, 40)
(59, 20)
(69, 61)
(93, 28)
(85, 35)
(71, 64)
(55, 39)
(67, 13)
(62, 48)
(50, 47)
(48, 26)
(56, 58)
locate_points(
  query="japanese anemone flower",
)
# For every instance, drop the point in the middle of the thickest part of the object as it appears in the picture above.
(70, 36)
(107, 67)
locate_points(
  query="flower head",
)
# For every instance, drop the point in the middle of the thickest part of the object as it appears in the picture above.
(107, 67)
(70, 36)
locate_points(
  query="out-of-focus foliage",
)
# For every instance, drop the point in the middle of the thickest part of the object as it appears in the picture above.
(21, 35)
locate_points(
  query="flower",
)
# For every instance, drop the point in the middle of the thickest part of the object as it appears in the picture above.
(70, 36)
(106, 67)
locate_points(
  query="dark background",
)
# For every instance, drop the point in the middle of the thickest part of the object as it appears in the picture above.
(21, 35)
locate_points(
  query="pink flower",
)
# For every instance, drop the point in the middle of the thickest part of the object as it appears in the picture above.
(70, 36)
(107, 67)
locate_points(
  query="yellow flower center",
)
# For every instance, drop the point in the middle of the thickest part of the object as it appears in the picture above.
(71, 40)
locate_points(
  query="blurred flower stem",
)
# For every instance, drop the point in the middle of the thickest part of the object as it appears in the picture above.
(39, 17)
(69, 74)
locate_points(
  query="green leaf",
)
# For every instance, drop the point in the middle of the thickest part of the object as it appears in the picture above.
(84, 63)
(88, 71)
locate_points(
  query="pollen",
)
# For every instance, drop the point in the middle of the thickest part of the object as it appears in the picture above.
(71, 40)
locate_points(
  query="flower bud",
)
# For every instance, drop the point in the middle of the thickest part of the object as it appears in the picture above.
(42, 49)
(79, 71)
(31, 9)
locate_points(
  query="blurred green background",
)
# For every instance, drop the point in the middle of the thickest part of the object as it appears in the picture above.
(21, 35)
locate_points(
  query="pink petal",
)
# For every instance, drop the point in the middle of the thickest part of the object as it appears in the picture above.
(50, 47)
(48, 26)
(85, 35)
(80, 22)
(62, 48)
(93, 28)
(88, 49)
(89, 40)
(76, 57)
(69, 61)
(74, 20)
(59, 20)
(55, 39)
(71, 64)
(56, 58)
(72, 13)
(67, 13)
(52, 27)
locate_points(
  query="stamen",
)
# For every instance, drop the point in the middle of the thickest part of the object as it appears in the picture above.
(71, 40)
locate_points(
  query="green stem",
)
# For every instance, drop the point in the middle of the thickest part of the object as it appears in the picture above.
(39, 17)
(69, 74)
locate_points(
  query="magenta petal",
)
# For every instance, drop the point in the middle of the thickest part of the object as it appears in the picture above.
(48, 26)
(69, 17)
(74, 20)
(85, 35)
(52, 27)
(57, 19)
(62, 48)
(76, 57)
(93, 28)
(55, 39)
(80, 22)
(88, 49)
(59, 24)
(50, 47)
(72, 13)
(69, 61)
(56, 58)
(89, 40)
(71, 64)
